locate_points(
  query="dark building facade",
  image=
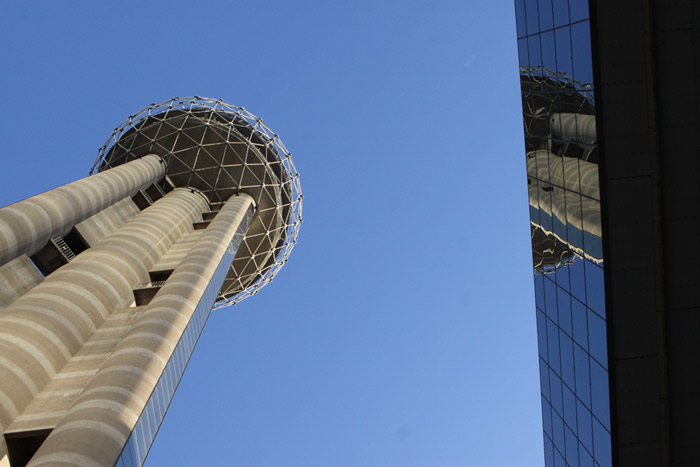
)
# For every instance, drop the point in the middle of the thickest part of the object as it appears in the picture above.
(610, 106)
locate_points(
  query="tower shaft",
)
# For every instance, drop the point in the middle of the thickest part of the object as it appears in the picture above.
(143, 369)
(27, 225)
(42, 330)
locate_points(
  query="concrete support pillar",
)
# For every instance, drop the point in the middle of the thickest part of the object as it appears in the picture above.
(97, 426)
(27, 225)
(41, 330)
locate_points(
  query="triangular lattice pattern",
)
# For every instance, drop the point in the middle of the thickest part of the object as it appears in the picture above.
(220, 149)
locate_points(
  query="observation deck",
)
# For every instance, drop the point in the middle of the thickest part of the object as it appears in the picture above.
(220, 150)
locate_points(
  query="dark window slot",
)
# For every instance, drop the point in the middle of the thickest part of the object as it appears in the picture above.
(49, 258)
(160, 276)
(141, 200)
(155, 192)
(75, 241)
(145, 293)
(23, 445)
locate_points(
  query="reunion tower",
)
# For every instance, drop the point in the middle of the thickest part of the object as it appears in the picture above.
(106, 283)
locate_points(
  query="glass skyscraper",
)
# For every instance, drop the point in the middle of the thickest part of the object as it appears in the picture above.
(558, 96)
(611, 107)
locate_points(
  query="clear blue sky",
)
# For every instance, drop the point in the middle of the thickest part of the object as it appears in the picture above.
(402, 331)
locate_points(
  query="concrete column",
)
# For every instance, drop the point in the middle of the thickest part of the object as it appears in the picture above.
(97, 426)
(41, 330)
(27, 225)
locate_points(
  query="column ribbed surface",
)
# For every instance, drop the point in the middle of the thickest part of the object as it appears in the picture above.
(27, 225)
(42, 329)
(96, 427)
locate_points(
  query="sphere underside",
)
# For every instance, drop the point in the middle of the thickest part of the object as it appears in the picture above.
(220, 150)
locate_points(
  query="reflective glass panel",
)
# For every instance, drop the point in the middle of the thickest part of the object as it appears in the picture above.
(584, 457)
(583, 381)
(567, 360)
(597, 338)
(601, 443)
(546, 15)
(585, 426)
(542, 334)
(553, 345)
(558, 458)
(558, 432)
(531, 17)
(544, 379)
(581, 45)
(564, 202)
(599, 385)
(548, 451)
(547, 417)
(550, 297)
(569, 407)
(564, 310)
(562, 38)
(571, 448)
(578, 279)
(555, 389)
(561, 12)
(578, 9)
(595, 288)
(579, 316)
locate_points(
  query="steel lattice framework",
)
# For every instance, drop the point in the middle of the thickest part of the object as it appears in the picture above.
(221, 149)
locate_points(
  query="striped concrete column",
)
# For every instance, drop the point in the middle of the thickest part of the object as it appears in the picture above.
(27, 225)
(96, 427)
(41, 330)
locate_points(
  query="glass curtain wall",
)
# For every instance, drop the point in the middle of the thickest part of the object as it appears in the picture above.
(554, 47)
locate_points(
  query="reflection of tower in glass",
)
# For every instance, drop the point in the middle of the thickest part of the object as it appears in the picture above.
(106, 283)
(564, 194)
(562, 171)
(618, 343)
